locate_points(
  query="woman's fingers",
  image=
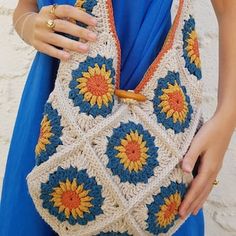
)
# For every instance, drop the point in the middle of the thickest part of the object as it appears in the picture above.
(42, 35)
(52, 51)
(201, 198)
(201, 201)
(195, 189)
(201, 185)
(210, 152)
(73, 29)
(68, 11)
(64, 42)
(192, 155)
(210, 168)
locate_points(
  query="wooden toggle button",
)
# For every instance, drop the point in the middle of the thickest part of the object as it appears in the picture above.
(130, 94)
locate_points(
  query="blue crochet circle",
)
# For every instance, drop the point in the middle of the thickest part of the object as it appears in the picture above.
(50, 133)
(78, 95)
(147, 150)
(90, 195)
(155, 222)
(171, 79)
(190, 40)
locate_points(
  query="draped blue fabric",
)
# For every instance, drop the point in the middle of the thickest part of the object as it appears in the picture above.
(141, 27)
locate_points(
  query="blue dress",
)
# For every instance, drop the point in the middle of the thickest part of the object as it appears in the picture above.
(141, 27)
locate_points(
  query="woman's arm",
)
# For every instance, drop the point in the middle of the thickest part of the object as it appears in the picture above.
(211, 142)
(225, 12)
(19, 16)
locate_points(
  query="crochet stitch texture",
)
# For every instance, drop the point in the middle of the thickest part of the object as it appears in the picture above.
(107, 165)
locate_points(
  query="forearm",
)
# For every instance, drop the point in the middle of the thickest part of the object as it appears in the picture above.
(226, 107)
(21, 24)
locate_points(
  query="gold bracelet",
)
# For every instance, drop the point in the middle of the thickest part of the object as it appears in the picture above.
(20, 17)
(23, 25)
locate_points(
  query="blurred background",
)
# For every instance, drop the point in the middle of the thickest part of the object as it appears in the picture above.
(16, 58)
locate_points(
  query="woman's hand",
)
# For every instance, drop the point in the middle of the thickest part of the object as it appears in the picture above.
(208, 147)
(45, 40)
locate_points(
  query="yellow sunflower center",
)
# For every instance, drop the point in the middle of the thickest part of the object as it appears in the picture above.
(96, 86)
(169, 210)
(45, 134)
(72, 199)
(132, 151)
(173, 103)
(193, 49)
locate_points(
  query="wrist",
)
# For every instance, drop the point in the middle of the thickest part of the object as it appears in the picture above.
(227, 116)
(20, 18)
(22, 24)
(26, 32)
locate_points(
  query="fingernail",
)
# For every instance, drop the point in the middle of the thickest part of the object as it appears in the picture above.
(182, 215)
(92, 35)
(187, 167)
(66, 55)
(83, 46)
(195, 213)
(94, 21)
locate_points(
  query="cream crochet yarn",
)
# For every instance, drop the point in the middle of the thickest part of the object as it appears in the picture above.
(107, 160)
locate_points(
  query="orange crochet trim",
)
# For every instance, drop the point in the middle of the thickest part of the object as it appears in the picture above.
(113, 30)
(130, 94)
(166, 46)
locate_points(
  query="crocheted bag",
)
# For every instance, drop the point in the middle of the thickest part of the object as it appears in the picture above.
(107, 160)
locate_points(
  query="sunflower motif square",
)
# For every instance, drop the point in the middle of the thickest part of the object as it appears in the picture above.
(55, 132)
(92, 86)
(158, 213)
(173, 105)
(134, 157)
(132, 153)
(87, 87)
(71, 195)
(75, 195)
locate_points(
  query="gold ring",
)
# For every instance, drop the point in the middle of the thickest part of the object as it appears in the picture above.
(50, 24)
(216, 182)
(53, 8)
